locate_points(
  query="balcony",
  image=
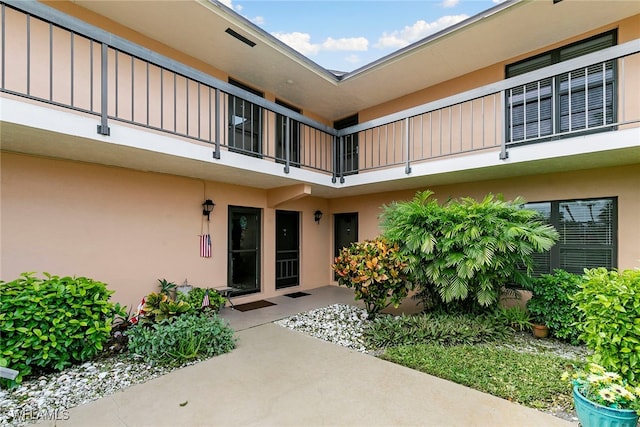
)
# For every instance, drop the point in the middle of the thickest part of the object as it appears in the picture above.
(70, 66)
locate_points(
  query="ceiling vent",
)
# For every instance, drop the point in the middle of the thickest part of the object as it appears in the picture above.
(240, 37)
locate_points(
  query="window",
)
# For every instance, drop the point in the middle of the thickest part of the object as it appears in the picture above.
(294, 137)
(245, 123)
(576, 101)
(588, 235)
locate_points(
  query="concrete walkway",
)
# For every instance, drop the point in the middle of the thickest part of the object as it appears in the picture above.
(279, 377)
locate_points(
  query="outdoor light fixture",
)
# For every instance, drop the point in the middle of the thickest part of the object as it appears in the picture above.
(207, 207)
(317, 215)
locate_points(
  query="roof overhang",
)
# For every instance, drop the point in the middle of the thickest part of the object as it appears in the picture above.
(198, 28)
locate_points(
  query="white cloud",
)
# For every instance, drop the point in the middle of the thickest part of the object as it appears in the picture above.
(450, 3)
(299, 41)
(258, 20)
(353, 43)
(302, 43)
(229, 3)
(421, 29)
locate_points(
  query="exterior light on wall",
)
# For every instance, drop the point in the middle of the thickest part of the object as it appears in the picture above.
(317, 215)
(207, 207)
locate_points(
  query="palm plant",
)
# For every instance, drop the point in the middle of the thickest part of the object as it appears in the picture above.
(464, 252)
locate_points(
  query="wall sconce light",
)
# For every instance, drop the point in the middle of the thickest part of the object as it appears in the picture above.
(207, 207)
(317, 215)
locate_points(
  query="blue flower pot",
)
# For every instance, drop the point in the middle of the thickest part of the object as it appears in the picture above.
(592, 414)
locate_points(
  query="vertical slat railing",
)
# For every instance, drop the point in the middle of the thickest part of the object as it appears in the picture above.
(400, 141)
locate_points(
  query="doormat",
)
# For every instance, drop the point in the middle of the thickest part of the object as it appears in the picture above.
(253, 305)
(296, 294)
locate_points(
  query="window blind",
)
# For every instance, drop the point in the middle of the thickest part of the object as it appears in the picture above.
(583, 98)
(588, 235)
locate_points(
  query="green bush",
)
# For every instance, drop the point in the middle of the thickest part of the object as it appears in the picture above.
(610, 303)
(195, 296)
(52, 323)
(180, 339)
(160, 306)
(551, 304)
(463, 253)
(376, 271)
(441, 329)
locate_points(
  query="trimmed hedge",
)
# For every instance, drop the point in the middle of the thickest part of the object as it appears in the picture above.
(52, 323)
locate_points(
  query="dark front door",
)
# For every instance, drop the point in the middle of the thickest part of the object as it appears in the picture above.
(244, 250)
(287, 249)
(345, 230)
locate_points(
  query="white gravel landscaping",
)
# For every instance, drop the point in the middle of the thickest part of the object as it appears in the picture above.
(50, 396)
(338, 323)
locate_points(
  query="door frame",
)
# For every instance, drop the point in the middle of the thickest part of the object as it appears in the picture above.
(231, 251)
(293, 268)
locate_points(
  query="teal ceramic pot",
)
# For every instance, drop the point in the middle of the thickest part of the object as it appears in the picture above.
(592, 414)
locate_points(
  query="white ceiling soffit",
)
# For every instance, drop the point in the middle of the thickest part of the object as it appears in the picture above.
(197, 28)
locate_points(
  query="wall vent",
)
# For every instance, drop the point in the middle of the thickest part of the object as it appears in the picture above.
(240, 37)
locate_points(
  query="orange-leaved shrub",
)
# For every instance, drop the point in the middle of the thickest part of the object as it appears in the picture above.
(377, 271)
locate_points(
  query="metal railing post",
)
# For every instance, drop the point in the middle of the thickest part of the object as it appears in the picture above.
(407, 168)
(287, 144)
(103, 127)
(334, 157)
(216, 153)
(341, 159)
(503, 143)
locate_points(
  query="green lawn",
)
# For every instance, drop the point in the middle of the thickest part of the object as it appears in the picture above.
(533, 380)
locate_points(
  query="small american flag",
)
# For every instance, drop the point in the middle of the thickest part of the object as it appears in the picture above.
(139, 312)
(205, 300)
(205, 245)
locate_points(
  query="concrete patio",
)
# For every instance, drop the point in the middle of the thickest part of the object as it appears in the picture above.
(279, 377)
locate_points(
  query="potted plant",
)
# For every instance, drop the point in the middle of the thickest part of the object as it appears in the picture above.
(541, 306)
(539, 329)
(538, 310)
(604, 398)
(184, 288)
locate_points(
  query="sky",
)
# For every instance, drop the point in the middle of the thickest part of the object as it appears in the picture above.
(344, 35)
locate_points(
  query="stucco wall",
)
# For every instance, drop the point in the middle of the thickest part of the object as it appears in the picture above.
(622, 182)
(130, 228)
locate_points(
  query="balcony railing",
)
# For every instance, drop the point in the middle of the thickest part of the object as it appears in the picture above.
(591, 93)
(74, 65)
